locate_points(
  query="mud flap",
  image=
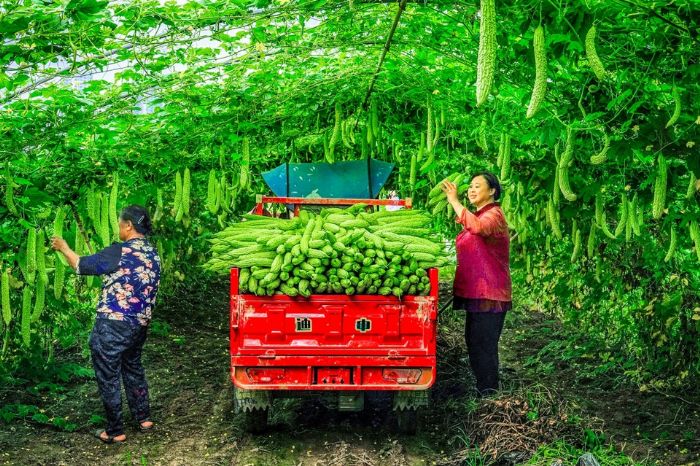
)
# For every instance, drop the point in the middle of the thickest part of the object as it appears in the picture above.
(351, 401)
(252, 400)
(410, 400)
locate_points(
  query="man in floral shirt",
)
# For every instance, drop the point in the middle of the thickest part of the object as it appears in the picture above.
(130, 277)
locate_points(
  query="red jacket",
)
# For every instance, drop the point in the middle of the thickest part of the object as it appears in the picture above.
(483, 255)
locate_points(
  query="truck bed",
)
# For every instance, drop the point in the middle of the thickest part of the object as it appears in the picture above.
(331, 342)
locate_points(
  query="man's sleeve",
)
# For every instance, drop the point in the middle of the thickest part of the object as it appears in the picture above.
(102, 262)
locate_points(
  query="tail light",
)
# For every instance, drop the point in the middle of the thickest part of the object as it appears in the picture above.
(402, 376)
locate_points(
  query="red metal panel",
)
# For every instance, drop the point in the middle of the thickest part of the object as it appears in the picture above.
(335, 324)
(338, 201)
(398, 333)
(364, 374)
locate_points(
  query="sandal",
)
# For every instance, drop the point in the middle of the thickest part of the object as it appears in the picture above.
(110, 438)
(143, 428)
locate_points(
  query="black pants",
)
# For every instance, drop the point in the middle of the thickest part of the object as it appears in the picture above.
(482, 332)
(116, 353)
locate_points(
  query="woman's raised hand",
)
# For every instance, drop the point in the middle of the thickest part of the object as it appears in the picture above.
(59, 244)
(450, 190)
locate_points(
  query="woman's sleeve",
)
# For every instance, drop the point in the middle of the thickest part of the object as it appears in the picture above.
(486, 225)
(102, 262)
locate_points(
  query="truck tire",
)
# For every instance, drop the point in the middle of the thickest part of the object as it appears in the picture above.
(407, 421)
(255, 420)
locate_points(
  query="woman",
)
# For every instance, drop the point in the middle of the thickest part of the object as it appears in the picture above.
(130, 277)
(482, 284)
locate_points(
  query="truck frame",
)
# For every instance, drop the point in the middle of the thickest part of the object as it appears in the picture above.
(331, 344)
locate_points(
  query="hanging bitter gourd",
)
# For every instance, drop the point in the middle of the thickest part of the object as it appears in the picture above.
(58, 278)
(553, 218)
(486, 61)
(431, 156)
(590, 243)
(501, 146)
(676, 109)
(505, 161)
(346, 134)
(113, 213)
(93, 207)
(540, 87)
(31, 255)
(429, 129)
(58, 222)
(660, 188)
(691, 186)
(633, 216)
(577, 247)
(565, 161)
(694, 230)
(624, 208)
(213, 195)
(39, 300)
(41, 258)
(591, 53)
(556, 191)
(335, 135)
(600, 217)
(564, 185)
(9, 190)
(567, 157)
(602, 156)
(599, 209)
(412, 174)
(25, 324)
(6, 309)
(244, 178)
(604, 228)
(186, 187)
(104, 221)
(671, 246)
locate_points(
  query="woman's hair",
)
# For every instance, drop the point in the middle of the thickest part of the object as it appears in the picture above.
(139, 218)
(492, 181)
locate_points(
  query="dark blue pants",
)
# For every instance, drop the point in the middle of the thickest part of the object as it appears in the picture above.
(116, 348)
(482, 332)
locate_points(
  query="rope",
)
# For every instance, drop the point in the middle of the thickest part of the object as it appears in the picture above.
(397, 18)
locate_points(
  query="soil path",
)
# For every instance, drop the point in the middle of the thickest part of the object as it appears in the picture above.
(187, 367)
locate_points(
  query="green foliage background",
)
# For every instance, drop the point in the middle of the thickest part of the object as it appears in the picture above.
(189, 81)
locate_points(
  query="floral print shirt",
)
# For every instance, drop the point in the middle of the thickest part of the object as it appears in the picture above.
(130, 277)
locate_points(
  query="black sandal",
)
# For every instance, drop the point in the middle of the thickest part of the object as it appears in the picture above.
(110, 438)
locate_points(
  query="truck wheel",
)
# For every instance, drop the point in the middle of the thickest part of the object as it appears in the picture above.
(407, 421)
(255, 421)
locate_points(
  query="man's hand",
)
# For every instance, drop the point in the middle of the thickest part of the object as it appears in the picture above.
(59, 244)
(450, 190)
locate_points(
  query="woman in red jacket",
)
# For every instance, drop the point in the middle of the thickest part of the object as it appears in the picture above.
(482, 285)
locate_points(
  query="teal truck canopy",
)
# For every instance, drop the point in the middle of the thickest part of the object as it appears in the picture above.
(356, 179)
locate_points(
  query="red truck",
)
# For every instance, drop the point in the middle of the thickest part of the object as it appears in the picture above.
(336, 344)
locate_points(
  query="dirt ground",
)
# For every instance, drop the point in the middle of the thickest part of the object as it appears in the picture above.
(191, 396)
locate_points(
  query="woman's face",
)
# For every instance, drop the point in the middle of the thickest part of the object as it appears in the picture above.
(125, 228)
(479, 192)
